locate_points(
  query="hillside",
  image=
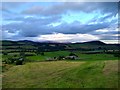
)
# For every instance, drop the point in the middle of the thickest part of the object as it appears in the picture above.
(30, 45)
(63, 74)
(28, 64)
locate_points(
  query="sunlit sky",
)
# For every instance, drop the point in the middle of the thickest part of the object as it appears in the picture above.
(60, 21)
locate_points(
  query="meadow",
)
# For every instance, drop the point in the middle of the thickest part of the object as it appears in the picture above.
(83, 57)
(63, 74)
(46, 67)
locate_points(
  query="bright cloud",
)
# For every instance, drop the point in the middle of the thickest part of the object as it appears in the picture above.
(60, 37)
(107, 30)
(102, 30)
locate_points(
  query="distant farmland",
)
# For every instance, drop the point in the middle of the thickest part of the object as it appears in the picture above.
(45, 65)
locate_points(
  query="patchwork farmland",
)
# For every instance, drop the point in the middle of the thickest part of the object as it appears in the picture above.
(27, 64)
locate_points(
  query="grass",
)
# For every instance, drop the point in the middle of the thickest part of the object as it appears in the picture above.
(57, 53)
(83, 57)
(63, 74)
(36, 58)
(48, 55)
(96, 57)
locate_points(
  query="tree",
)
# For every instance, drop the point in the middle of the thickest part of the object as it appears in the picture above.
(22, 54)
(19, 61)
(5, 53)
(72, 54)
(39, 51)
(61, 57)
(99, 48)
(42, 53)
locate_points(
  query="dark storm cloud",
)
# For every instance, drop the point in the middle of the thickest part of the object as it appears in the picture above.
(30, 26)
(57, 9)
(39, 19)
(108, 7)
(26, 29)
(79, 28)
(36, 28)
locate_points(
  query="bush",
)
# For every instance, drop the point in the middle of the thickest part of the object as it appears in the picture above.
(42, 53)
(19, 62)
(7, 61)
(5, 53)
(29, 54)
(72, 54)
(117, 55)
(14, 60)
(22, 54)
(60, 57)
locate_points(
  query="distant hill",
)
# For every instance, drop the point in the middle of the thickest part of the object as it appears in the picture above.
(95, 43)
(55, 46)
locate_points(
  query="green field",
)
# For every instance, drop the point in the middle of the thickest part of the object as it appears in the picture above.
(48, 55)
(27, 64)
(83, 57)
(63, 74)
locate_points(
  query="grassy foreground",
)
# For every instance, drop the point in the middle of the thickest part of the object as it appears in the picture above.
(63, 74)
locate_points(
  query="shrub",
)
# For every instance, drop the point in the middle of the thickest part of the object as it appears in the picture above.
(19, 62)
(117, 55)
(60, 57)
(72, 54)
(5, 53)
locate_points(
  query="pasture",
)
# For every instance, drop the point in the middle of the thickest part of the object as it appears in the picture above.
(63, 74)
(83, 57)
(27, 64)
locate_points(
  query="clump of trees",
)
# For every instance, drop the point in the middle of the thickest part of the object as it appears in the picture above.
(39, 51)
(4, 53)
(15, 59)
(73, 54)
(61, 57)
(117, 54)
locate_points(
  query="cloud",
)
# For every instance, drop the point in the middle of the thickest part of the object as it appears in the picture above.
(26, 29)
(33, 28)
(38, 22)
(9, 5)
(106, 30)
(109, 37)
(111, 33)
(8, 35)
(56, 37)
(60, 37)
(79, 28)
(111, 41)
(30, 26)
(33, 19)
(104, 18)
(62, 8)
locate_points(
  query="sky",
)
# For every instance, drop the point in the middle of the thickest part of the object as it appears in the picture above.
(60, 21)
